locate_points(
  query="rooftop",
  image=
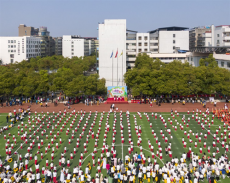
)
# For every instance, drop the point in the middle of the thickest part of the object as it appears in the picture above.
(173, 28)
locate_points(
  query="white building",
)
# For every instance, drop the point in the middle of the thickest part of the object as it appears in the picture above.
(76, 46)
(223, 60)
(207, 38)
(221, 35)
(216, 41)
(112, 39)
(17, 49)
(166, 43)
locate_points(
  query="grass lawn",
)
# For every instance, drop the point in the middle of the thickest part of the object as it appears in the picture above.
(157, 125)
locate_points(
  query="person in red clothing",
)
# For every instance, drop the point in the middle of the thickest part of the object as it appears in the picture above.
(188, 156)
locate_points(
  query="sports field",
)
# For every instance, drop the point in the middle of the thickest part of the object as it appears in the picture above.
(97, 123)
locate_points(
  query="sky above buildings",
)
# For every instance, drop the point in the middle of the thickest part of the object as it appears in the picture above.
(81, 17)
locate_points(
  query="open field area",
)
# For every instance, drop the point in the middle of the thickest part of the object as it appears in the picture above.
(75, 130)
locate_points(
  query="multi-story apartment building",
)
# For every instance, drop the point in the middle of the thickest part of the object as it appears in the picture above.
(16, 49)
(47, 42)
(221, 35)
(76, 46)
(196, 36)
(23, 30)
(215, 41)
(58, 45)
(167, 44)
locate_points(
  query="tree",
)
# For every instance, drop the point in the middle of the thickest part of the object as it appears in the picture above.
(209, 61)
(151, 77)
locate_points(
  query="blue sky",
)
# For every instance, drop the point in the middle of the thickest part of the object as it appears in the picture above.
(80, 17)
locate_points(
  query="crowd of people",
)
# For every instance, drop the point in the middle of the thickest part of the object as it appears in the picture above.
(136, 167)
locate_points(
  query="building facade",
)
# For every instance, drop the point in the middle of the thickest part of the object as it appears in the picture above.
(196, 36)
(17, 49)
(221, 35)
(23, 30)
(47, 42)
(112, 51)
(76, 46)
(216, 41)
(164, 43)
(58, 45)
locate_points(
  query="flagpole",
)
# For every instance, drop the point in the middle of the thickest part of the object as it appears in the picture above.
(122, 68)
(117, 68)
(112, 69)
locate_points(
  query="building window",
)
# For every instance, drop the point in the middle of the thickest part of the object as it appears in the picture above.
(139, 38)
(174, 35)
(146, 50)
(11, 55)
(14, 46)
(191, 58)
(174, 41)
(8, 50)
(139, 44)
(218, 41)
(11, 61)
(72, 49)
(228, 64)
(222, 64)
(146, 38)
(72, 53)
(72, 46)
(174, 47)
(218, 35)
(188, 58)
(139, 50)
(14, 41)
(146, 44)
(8, 41)
(133, 44)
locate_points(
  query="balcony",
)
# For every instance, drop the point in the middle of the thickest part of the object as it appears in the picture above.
(130, 38)
(131, 41)
(131, 47)
(153, 47)
(226, 43)
(131, 52)
(227, 37)
(153, 41)
(226, 29)
(131, 59)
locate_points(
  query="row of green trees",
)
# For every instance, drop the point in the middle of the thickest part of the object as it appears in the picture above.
(56, 73)
(151, 77)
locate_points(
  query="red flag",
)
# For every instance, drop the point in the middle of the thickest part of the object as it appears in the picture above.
(116, 54)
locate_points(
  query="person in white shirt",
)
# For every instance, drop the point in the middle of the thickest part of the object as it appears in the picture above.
(38, 176)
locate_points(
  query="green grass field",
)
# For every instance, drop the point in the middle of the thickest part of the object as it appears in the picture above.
(157, 125)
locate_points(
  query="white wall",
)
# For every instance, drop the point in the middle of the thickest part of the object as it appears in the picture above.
(166, 41)
(166, 58)
(208, 39)
(142, 41)
(19, 48)
(218, 31)
(78, 47)
(112, 37)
